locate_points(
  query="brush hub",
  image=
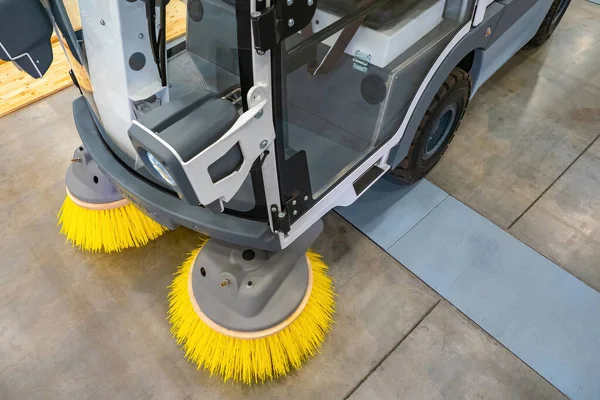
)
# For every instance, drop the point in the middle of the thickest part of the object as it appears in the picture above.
(86, 183)
(242, 293)
(247, 296)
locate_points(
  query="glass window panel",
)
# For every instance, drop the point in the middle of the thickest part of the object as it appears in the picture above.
(348, 92)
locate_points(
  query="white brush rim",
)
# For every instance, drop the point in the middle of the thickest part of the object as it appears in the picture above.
(98, 207)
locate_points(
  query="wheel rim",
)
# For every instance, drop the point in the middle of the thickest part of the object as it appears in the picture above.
(440, 130)
(562, 8)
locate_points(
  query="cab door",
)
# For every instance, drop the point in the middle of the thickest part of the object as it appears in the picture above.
(344, 84)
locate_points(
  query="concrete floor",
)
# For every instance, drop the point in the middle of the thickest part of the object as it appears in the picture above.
(93, 326)
(79, 325)
(527, 153)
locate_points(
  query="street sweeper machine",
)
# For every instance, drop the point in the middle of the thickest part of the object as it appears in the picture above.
(264, 117)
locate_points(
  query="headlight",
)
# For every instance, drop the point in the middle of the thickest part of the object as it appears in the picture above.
(160, 168)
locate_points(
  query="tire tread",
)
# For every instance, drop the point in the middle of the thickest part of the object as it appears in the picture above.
(404, 170)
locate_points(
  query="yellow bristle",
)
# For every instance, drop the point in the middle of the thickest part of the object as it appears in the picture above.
(252, 360)
(106, 230)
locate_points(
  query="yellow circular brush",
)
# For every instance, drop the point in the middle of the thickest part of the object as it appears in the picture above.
(108, 227)
(252, 357)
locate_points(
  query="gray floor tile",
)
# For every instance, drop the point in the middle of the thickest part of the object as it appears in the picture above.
(62, 102)
(389, 209)
(449, 357)
(77, 325)
(578, 36)
(37, 146)
(587, 15)
(30, 119)
(557, 97)
(528, 122)
(545, 316)
(564, 224)
(505, 155)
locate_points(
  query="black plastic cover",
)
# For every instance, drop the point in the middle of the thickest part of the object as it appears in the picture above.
(25, 32)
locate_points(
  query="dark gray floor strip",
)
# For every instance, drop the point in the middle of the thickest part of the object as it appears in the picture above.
(540, 312)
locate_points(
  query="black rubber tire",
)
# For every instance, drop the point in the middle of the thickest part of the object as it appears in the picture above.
(455, 90)
(553, 17)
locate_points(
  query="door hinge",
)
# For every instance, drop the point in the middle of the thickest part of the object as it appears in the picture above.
(275, 23)
(293, 209)
(361, 61)
(281, 220)
(264, 29)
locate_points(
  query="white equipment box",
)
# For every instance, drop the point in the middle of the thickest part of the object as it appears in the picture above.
(387, 44)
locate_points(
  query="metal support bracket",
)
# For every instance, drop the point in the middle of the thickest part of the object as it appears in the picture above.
(361, 61)
(281, 220)
(292, 210)
(273, 24)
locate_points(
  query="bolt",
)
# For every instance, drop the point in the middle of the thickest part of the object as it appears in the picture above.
(305, 198)
(295, 212)
(281, 214)
(141, 36)
(258, 115)
(289, 2)
(102, 22)
(255, 14)
(294, 202)
(273, 209)
(310, 2)
(225, 282)
(260, 52)
(264, 144)
(291, 22)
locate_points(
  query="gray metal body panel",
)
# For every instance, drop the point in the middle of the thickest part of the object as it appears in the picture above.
(162, 206)
(488, 57)
(511, 41)
(513, 10)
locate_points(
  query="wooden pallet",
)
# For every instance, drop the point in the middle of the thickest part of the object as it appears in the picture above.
(18, 89)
